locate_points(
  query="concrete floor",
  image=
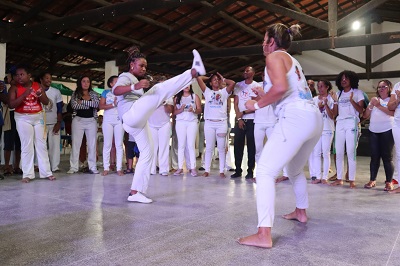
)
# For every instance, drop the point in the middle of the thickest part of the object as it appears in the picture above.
(84, 219)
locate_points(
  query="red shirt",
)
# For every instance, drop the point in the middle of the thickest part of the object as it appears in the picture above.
(31, 103)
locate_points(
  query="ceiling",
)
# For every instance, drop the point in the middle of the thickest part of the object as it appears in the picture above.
(75, 37)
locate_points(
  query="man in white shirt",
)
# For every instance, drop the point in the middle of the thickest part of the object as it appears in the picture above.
(244, 126)
(53, 120)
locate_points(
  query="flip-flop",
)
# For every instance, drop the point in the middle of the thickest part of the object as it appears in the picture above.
(128, 171)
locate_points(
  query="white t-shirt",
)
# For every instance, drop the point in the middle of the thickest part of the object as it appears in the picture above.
(397, 111)
(244, 92)
(188, 101)
(160, 117)
(266, 114)
(126, 100)
(113, 112)
(215, 107)
(345, 108)
(379, 121)
(55, 97)
(329, 123)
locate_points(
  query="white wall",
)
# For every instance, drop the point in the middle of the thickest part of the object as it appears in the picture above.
(319, 63)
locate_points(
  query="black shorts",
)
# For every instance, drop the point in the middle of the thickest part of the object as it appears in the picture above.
(132, 150)
(11, 137)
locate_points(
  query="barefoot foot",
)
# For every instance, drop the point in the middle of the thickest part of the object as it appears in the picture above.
(298, 215)
(262, 239)
(337, 183)
(105, 172)
(352, 184)
(205, 174)
(120, 173)
(316, 181)
(394, 191)
(222, 175)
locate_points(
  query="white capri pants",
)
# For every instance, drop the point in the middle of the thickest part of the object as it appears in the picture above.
(186, 133)
(80, 126)
(346, 133)
(215, 130)
(33, 137)
(323, 148)
(112, 128)
(290, 145)
(161, 136)
(135, 123)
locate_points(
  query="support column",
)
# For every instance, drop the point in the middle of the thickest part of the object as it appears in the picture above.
(110, 70)
(2, 60)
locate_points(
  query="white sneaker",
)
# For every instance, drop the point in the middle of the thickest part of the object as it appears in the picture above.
(193, 172)
(71, 171)
(95, 172)
(164, 174)
(198, 63)
(139, 197)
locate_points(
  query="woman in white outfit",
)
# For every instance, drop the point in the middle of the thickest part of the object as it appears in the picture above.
(135, 107)
(84, 102)
(112, 128)
(327, 103)
(350, 106)
(160, 128)
(187, 106)
(215, 116)
(297, 131)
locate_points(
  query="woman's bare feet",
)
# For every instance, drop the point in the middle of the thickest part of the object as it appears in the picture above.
(324, 182)
(51, 178)
(352, 184)
(222, 175)
(316, 181)
(105, 172)
(26, 180)
(282, 178)
(394, 191)
(205, 174)
(120, 173)
(337, 183)
(262, 239)
(298, 215)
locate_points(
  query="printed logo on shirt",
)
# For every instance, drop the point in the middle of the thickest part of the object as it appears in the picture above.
(216, 100)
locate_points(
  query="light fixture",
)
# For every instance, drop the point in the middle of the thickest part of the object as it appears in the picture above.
(356, 25)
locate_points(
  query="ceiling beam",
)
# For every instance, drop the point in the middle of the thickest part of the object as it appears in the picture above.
(94, 16)
(345, 58)
(309, 20)
(332, 18)
(33, 12)
(297, 46)
(205, 13)
(371, 5)
(385, 58)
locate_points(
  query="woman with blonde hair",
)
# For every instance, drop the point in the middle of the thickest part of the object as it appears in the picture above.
(297, 131)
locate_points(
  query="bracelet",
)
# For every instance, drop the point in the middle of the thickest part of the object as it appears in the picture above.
(239, 119)
(113, 104)
(256, 106)
(133, 87)
(370, 108)
(335, 103)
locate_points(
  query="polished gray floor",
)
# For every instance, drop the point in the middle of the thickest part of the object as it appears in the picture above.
(84, 219)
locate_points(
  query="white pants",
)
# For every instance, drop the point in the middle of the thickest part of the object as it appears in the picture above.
(161, 137)
(260, 132)
(290, 145)
(346, 133)
(135, 123)
(33, 138)
(54, 147)
(323, 148)
(112, 129)
(186, 133)
(80, 126)
(215, 130)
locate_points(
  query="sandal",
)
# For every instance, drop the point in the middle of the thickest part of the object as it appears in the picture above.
(370, 184)
(389, 186)
(129, 171)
